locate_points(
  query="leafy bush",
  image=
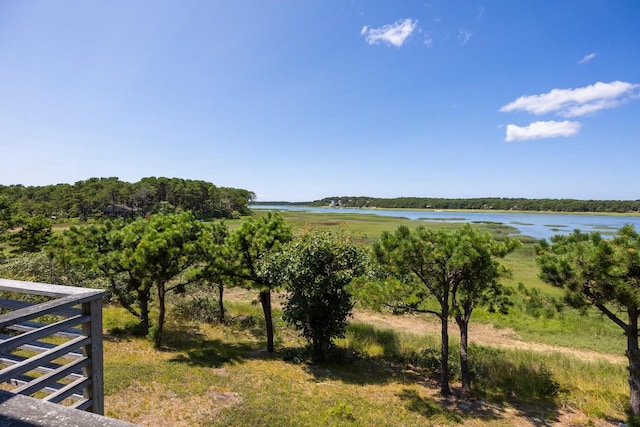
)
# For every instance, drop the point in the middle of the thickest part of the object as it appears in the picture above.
(198, 307)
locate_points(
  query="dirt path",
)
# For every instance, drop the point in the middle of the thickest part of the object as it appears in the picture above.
(487, 334)
(479, 333)
(484, 334)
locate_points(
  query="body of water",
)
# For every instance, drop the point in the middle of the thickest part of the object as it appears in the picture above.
(537, 225)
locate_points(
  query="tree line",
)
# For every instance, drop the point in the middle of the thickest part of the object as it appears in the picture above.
(96, 197)
(551, 205)
(322, 274)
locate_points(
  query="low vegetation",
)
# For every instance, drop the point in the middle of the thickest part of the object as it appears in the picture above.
(224, 364)
(220, 375)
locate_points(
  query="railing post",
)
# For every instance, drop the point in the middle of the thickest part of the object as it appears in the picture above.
(95, 391)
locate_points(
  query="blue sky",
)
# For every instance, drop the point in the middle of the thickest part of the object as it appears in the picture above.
(298, 99)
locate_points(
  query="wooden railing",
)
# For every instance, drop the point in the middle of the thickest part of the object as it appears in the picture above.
(51, 343)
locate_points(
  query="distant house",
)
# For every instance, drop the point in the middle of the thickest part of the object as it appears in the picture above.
(119, 211)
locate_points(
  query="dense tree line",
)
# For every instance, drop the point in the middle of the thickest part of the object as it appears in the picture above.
(97, 197)
(552, 205)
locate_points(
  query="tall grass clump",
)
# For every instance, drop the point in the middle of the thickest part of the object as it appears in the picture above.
(523, 376)
(598, 388)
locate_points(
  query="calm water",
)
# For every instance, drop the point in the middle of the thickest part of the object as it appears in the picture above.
(538, 225)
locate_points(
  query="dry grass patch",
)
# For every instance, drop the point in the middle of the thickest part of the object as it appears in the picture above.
(155, 405)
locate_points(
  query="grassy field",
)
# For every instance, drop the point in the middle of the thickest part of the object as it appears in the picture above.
(220, 376)
(535, 366)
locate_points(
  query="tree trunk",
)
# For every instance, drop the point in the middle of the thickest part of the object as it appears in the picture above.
(221, 303)
(321, 348)
(157, 334)
(143, 298)
(633, 355)
(445, 390)
(463, 324)
(265, 300)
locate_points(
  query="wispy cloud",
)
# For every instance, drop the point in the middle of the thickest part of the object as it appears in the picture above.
(576, 102)
(538, 130)
(587, 58)
(428, 41)
(464, 36)
(394, 34)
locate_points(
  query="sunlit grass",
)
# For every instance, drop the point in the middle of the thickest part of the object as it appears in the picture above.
(221, 376)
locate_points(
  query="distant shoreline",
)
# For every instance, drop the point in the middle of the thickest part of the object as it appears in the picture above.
(514, 211)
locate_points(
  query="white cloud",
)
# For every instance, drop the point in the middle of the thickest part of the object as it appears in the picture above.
(587, 58)
(537, 130)
(395, 34)
(428, 41)
(464, 36)
(576, 102)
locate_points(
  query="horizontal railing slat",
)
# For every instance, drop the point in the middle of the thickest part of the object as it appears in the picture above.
(13, 305)
(44, 289)
(52, 377)
(41, 309)
(42, 332)
(47, 356)
(41, 347)
(45, 368)
(68, 390)
(82, 404)
(52, 388)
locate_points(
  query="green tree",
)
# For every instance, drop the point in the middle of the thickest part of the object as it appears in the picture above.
(157, 250)
(315, 269)
(475, 261)
(154, 252)
(604, 274)
(218, 265)
(33, 235)
(456, 269)
(8, 213)
(99, 248)
(253, 240)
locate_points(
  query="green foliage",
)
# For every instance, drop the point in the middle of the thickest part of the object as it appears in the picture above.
(604, 274)
(198, 306)
(43, 268)
(487, 203)
(315, 269)
(157, 250)
(256, 238)
(95, 197)
(33, 235)
(536, 304)
(219, 264)
(98, 248)
(8, 213)
(135, 258)
(457, 269)
(594, 271)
